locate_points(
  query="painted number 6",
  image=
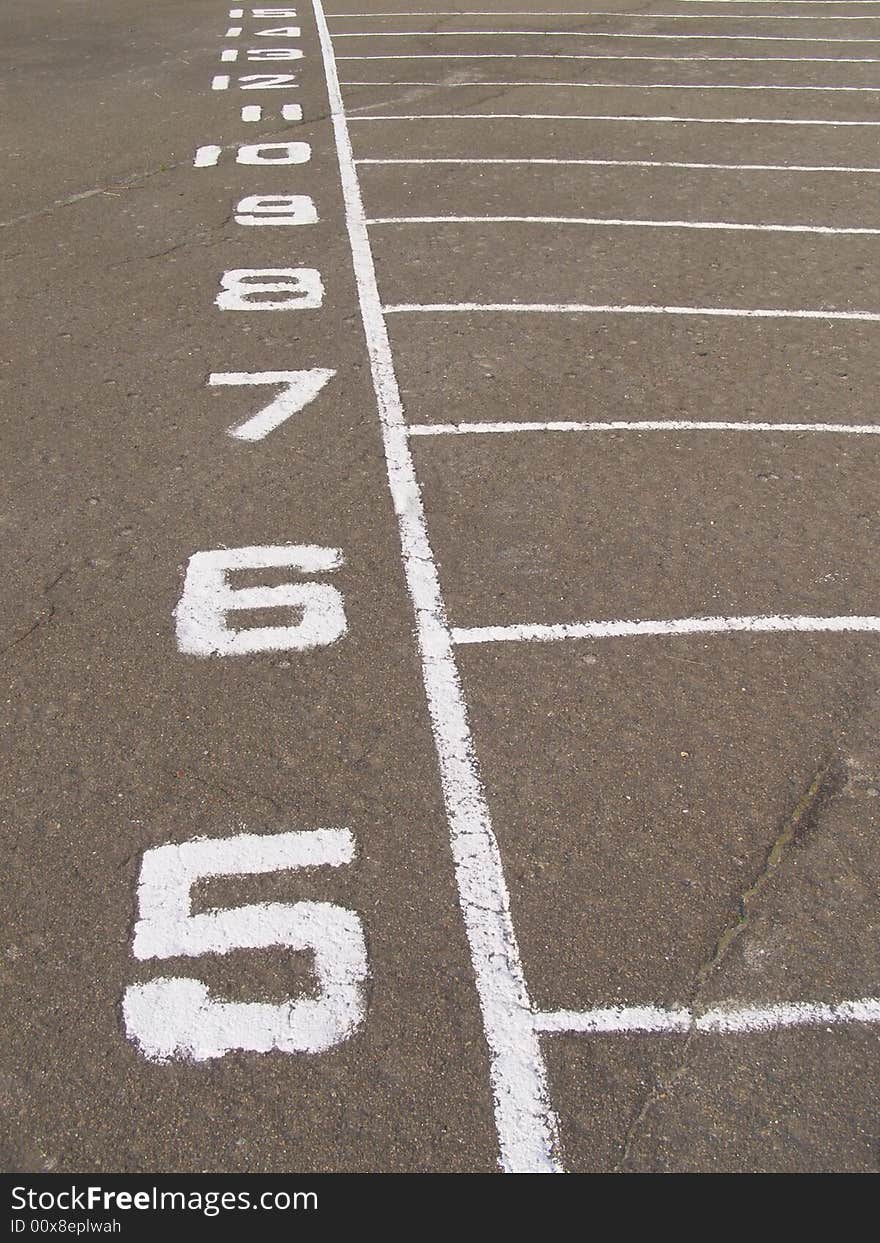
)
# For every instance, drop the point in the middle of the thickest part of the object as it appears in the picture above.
(178, 1018)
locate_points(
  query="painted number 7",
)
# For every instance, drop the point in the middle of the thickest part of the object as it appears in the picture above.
(178, 1018)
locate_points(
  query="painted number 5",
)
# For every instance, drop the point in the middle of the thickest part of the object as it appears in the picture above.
(178, 1018)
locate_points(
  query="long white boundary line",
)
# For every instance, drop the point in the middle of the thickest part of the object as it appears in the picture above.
(716, 226)
(588, 308)
(623, 86)
(752, 168)
(727, 1019)
(589, 34)
(640, 425)
(523, 1115)
(686, 17)
(779, 624)
(577, 116)
(728, 60)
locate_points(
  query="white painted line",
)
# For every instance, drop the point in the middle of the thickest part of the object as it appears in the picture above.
(684, 17)
(252, 112)
(752, 168)
(291, 112)
(236, 12)
(637, 425)
(233, 32)
(587, 308)
(229, 54)
(622, 86)
(726, 1019)
(590, 308)
(220, 82)
(729, 60)
(526, 632)
(570, 116)
(523, 1114)
(717, 226)
(588, 34)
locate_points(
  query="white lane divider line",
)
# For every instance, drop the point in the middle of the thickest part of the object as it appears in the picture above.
(577, 116)
(749, 168)
(672, 17)
(779, 60)
(587, 308)
(726, 1019)
(590, 34)
(638, 425)
(619, 86)
(718, 226)
(523, 1115)
(775, 624)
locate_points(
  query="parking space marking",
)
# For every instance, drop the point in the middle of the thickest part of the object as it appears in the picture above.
(529, 632)
(610, 222)
(525, 1121)
(727, 1019)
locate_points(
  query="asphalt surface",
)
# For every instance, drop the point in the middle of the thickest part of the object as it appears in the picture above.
(684, 821)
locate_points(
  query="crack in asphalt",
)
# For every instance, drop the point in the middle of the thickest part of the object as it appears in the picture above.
(826, 782)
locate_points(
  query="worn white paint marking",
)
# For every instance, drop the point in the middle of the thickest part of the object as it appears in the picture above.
(207, 599)
(299, 389)
(287, 12)
(279, 32)
(267, 81)
(523, 1115)
(588, 308)
(781, 624)
(242, 288)
(753, 168)
(233, 32)
(274, 153)
(622, 86)
(220, 82)
(637, 425)
(718, 226)
(274, 53)
(683, 17)
(727, 1019)
(229, 54)
(634, 120)
(236, 13)
(207, 157)
(590, 34)
(177, 1018)
(252, 112)
(291, 112)
(276, 209)
(779, 60)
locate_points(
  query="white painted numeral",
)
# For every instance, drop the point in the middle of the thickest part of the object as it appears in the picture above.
(267, 81)
(273, 12)
(178, 1018)
(274, 53)
(260, 209)
(241, 288)
(274, 153)
(300, 388)
(207, 599)
(280, 32)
